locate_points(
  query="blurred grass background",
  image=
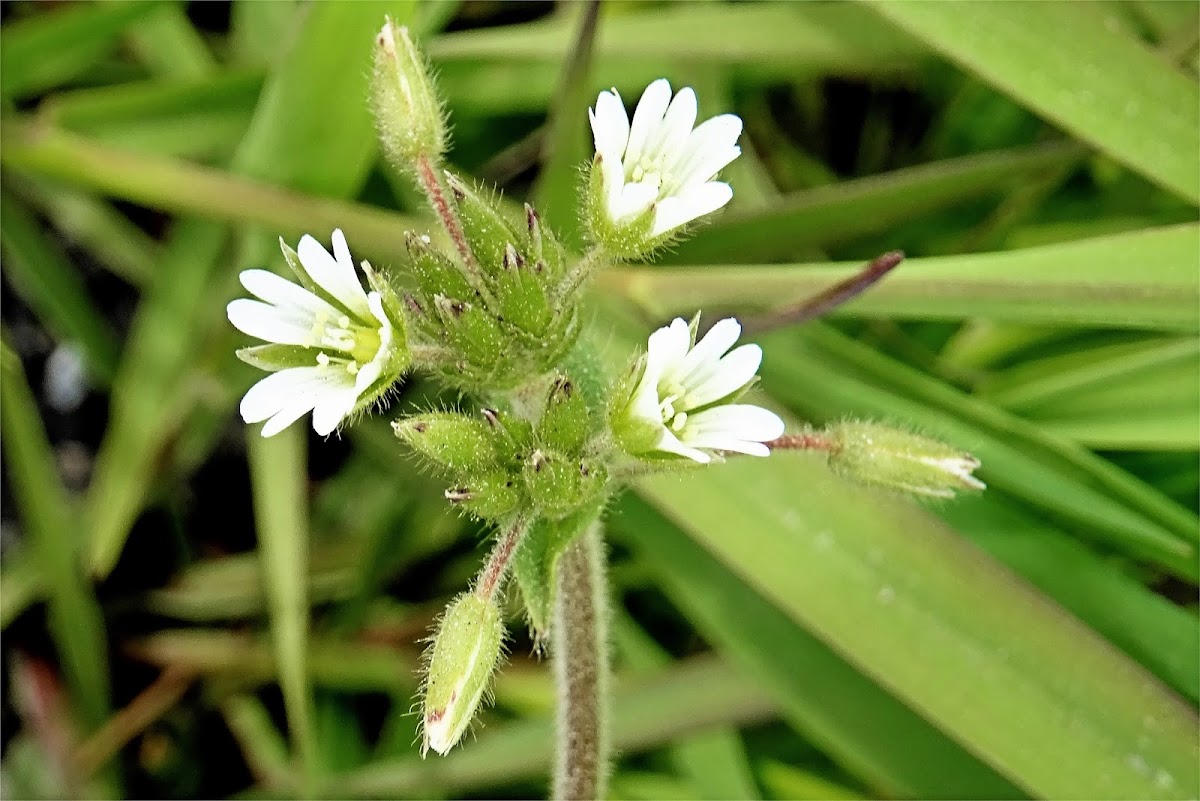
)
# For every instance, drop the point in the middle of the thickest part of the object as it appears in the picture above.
(191, 611)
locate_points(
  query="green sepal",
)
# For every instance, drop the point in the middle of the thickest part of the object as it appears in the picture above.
(474, 332)
(454, 442)
(490, 495)
(536, 561)
(486, 229)
(558, 484)
(542, 248)
(565, 423)
(275, 357)
(520, 293)
(435, 273)
(620, 240)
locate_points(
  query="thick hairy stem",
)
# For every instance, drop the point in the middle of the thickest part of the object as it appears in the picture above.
(580, 650)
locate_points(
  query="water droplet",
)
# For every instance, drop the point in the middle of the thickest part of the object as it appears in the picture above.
(1163, 780)
(1138, 763)
(885, 595)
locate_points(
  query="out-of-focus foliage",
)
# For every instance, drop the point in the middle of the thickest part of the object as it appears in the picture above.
(190, 611)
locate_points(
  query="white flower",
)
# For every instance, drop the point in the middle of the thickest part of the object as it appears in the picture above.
(659, 161)
(677, 406)
(333, 342)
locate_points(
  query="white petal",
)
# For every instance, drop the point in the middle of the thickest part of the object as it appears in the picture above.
(613, 174)
(709, 148)
(673, 212)
(635, 199)
(332, 409)
(647, 118)
(668, 346)
(270, 323)
(712, 346)
(286, 387)
(739, 420)
(676, 127)
(669, 443)
(722, 378)
(290, 413)
(724, 442)
(610, 125)
(273, 289)
(335, 277)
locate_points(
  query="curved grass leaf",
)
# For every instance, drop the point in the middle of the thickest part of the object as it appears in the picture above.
(1064, 62)
(1143, 279)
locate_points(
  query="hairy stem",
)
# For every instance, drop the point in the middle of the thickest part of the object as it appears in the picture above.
(433, 183)
(580, 650)
(491, 578)
(579, 274)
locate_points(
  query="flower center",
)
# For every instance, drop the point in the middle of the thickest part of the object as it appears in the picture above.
(649, 170)
(672, 419)
(353, 344)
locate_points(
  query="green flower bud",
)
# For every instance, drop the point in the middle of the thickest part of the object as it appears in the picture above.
(452, 441)
(436, 274)
(464, 655)
(473, 331)
(408, 113)
(559, 485)
(565, 423)
(521, 294)
(486, 229)
(883, 456)
(490, 495)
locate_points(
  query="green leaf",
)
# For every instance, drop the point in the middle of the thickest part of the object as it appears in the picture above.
(536, 559)
(169, 46)
(825, 376)
(1064, 62)
(865, 730)
(1144, 279)
(986, 659)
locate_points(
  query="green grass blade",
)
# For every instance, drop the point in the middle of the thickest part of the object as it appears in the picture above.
(979, 653)
(177, 186)
(75, 620)
(54, 289)
(841, 212)
(278, 473)
(866, 731)
(1144, 279)
(52, 47)
(645, 714)
(149, 393)
(1065, 63)
(96, 226)
(169, 46)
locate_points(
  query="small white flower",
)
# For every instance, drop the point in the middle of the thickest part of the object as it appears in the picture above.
(678, 398)
(333, 342)
(659, 161)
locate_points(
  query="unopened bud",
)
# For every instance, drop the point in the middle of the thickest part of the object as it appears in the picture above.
(464, 655)
(883, 456)
(452, 441)
(491, 495)
(407, 111)
(559, 485)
